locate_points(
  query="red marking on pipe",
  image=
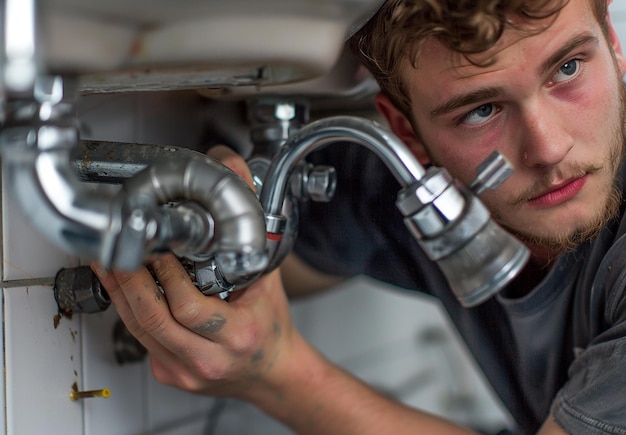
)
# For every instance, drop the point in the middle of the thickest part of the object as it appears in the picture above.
(275, 237)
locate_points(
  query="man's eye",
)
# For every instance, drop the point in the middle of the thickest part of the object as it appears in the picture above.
(479, 115)
(568, 70)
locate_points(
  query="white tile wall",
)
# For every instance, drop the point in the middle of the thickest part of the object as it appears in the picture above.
(42, 362)
(20, 260)
(400, 343)
(618, 14)
(125, 410)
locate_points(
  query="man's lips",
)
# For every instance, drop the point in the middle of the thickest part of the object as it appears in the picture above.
(559, 194)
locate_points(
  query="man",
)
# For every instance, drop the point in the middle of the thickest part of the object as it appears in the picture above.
(539, 81)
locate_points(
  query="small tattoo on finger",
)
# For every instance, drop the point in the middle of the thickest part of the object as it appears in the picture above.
(213, 326)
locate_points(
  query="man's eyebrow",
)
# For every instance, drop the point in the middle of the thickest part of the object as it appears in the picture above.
(483, 94)
(463, 100)
(576, 41)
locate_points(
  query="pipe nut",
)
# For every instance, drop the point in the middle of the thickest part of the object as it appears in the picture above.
(321, 183)
(413, 198)
(78, 290)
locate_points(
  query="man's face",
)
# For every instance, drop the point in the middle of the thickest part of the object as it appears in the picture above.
(551, 103)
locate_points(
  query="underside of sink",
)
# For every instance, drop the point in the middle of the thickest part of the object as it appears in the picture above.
(224, 49)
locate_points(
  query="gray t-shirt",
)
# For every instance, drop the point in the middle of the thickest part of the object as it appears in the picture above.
(560, 349)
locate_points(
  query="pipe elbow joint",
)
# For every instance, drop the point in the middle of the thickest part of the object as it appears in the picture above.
(227, 221)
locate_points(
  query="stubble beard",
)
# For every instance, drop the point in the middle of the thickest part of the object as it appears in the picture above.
(555, 244)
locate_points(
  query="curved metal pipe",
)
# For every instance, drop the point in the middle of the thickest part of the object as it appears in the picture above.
(398, 159)
(477, 256)
(238, 220)
(222, 217)
(115, 162)
(315, 135)
(36, 140)
(448, 222)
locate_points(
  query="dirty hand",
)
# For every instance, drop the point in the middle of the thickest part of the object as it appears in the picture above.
(201, 343)
(198, 343)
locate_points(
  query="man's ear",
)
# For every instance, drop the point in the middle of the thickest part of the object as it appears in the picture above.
(400, 125)
(615, 43)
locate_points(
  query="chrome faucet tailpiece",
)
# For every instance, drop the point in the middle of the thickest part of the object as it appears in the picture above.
(451, 225)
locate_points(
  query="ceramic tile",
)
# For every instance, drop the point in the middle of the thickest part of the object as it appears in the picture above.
(27, 254)
(193, 428)
(2, 378)
(42, 364)
(359, 299)
(186, 427)
(124, 411)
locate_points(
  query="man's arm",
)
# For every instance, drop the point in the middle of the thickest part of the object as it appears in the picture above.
(300, 279)
(248, 348)
(323, 399)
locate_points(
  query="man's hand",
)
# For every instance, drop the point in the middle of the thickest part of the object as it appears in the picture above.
(198, 343)
(232, 160)
(201, 343)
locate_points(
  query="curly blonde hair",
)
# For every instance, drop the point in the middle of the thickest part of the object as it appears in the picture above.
(468, 27)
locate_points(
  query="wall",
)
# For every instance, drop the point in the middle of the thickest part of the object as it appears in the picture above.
(46, 355)
(398, 342)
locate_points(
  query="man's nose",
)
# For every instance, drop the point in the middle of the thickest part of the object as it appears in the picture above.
(545, 139)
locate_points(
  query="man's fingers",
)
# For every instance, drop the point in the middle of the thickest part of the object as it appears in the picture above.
(231, 325)
(204, 315)
(111, 284)
(232, 160)
(146, 313)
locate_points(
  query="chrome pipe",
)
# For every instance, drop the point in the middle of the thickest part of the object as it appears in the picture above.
(115, 162)
(216, 217)
(36, 140)
(216, 213)
(449, 222)
(234, 213)
(318, 134)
